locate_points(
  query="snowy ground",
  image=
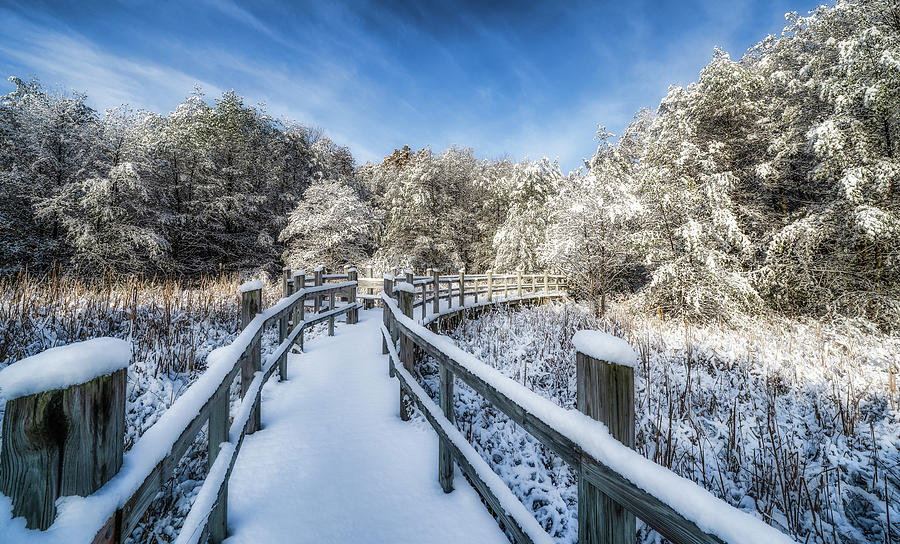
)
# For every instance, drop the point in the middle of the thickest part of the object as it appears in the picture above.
(334, 462)
(795, 423)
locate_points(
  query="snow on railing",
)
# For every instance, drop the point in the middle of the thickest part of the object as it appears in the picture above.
(676, 507)
(111, 512)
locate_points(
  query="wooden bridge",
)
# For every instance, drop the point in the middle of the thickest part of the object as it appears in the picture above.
(331, 427)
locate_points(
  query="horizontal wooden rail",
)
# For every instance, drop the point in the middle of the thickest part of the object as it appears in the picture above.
(505, 505)
(665, 501)
(110, 513)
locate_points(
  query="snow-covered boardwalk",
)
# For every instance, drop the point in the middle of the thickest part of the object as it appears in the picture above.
(334, 462)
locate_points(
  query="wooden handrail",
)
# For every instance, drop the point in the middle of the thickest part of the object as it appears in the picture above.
(564, 436)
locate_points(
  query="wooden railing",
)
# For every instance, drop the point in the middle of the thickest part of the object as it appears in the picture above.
(434, 287)
(615, 483)
(115, 503)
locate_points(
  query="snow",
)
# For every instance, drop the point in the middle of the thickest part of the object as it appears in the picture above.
(689, 499)
(605, 347)
(374, 480)
(64, 366)
(405, 287)
(253, 285)
(192, 529)
(511, 504)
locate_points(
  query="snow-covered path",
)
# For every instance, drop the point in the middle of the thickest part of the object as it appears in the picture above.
(334, 462)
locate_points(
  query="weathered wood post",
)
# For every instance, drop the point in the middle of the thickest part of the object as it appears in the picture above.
(251, 304)
(425, 296)
(388, 321)
(475, 283)
(217, 524)
(352, 315)
(436, 285)
(405, 294)
(300, 308)
(369, 303)
(64, 425)
(605, 392)
(331, 318)
(299, 311)
(462, 287)
(519, 283)
(546, 282)
(445, 460)
(490, 284)
(286, 281)
(317, 300)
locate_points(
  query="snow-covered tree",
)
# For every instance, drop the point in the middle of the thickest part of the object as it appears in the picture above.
(593, 235)
(332, 225)
(519, 240)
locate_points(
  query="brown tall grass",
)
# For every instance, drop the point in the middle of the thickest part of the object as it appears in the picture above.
(170, 322)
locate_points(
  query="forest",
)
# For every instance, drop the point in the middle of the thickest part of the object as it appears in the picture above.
(769, 184)
(743, 235)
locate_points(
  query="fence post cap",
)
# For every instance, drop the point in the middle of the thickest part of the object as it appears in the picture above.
(64, 366)
(252, 285)
(605, 347)
(404, 287)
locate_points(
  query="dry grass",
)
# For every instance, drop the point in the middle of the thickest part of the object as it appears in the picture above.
(169, 322)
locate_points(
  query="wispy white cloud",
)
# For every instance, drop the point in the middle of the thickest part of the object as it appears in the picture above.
(65, 57)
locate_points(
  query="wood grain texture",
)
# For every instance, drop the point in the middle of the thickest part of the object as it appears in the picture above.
(605, 392)
(406, 346)
(445, 460)
(61, 442)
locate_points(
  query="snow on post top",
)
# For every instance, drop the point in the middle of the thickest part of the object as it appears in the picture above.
(388, 277)
(64, 366)
(352, 269)
(320, 268)
(253, 285)
(299, 273)
(605, 347)
(405, 286)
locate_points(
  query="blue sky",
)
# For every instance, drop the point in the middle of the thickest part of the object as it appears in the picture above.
(507, 79)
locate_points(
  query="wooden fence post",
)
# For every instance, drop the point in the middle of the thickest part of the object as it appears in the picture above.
(388, 322)
(445, 460)
(251, 304)
(217, 524)
(519, 283)
(353, 315)
(605, 392)
(475, 283)
(59, 442)
(462, 287)
(300, 308)
(546, 282)
(436, 302)
(406, 347)
(331, 319)
(317, 299)
(286, 281)
(490, 284)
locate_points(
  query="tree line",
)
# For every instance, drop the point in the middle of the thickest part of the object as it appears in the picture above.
(771, 183)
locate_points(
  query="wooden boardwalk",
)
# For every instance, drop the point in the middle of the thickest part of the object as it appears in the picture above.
(334, 463)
